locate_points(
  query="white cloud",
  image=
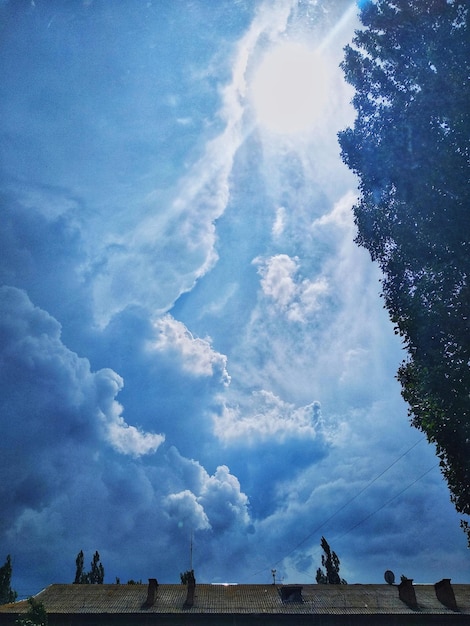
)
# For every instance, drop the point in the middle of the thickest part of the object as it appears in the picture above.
(280, 222)
(341, 215)
(185, 509)
(166, 253)
(223, 500)
(197, 356)
(265, 417)
(218, 503)
(84, 399)
(296, 298)
(130, 440)
(278, 278)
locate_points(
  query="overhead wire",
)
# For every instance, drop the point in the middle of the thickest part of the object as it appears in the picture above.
(364, 519)
(347, 503)
(387, 502)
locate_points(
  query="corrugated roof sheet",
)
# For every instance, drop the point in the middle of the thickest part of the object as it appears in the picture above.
(240, 599)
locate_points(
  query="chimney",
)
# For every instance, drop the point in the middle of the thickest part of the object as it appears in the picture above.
(445, 594)
(151, 593)
(188, 603)
(291, 593)
(407, 593)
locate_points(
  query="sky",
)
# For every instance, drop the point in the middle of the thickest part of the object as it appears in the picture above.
(194, 351)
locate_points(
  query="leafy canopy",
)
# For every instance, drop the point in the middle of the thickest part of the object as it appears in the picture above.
(7, 594)
(410, 147)
(188, 577)
(94, 576)
(330, 561)
(36, 615)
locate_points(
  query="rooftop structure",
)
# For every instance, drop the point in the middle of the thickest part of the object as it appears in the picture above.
(207, 604)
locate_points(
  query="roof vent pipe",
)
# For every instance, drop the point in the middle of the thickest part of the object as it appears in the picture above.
(445, 594)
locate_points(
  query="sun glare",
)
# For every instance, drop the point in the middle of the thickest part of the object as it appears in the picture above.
(289, 89)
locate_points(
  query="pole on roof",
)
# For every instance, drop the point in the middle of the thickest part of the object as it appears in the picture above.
(191, 551)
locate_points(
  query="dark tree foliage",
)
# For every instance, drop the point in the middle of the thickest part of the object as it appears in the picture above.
(79, 575)
(36, 616)
(6, 592)
(188, 577)
(410, 147)
(94, 576)
(330, 561)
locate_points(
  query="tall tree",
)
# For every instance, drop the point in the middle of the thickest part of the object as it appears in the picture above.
(410, 147)
(330, 561)
(79, 562)
(7, 594)
(94, 576)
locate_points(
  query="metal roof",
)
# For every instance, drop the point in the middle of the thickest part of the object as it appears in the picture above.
(241, 599)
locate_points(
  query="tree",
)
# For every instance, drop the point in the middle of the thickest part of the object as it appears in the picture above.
(188, 577)
(7, 594)
(410, 147)
(330, 561)
(36, 615)
(79, 575)
(94, 576)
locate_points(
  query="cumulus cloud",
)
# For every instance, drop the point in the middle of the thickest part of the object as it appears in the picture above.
(69, 398)
(197, 356)
(130, 440)
(186, 510)
(226, 505)
(218, 504)
(298, 298)
(266, 417)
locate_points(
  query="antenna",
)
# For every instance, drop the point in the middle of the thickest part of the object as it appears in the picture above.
(389, 577)
(191, 551)
(273, 572)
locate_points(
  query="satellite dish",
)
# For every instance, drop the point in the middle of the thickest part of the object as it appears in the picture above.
(389, 577)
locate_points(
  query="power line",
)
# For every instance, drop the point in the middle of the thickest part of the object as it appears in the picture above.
(347, 503)
(387, 502)
(380, 508)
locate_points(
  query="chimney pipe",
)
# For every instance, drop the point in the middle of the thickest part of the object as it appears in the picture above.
(188, 603)
(445, 594)
(151, 592)
(407, 593)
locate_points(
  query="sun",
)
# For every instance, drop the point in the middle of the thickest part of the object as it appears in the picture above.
(289, 89)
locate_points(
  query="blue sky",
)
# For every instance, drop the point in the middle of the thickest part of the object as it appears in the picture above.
(192, 343)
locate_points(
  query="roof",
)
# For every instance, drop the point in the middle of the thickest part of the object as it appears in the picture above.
(241, 599)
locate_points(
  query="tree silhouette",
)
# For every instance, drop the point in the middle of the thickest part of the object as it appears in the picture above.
(95, 576)
(79, 575)
(330, 561)
(7, 594)
(188, 577)
(410, 147)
